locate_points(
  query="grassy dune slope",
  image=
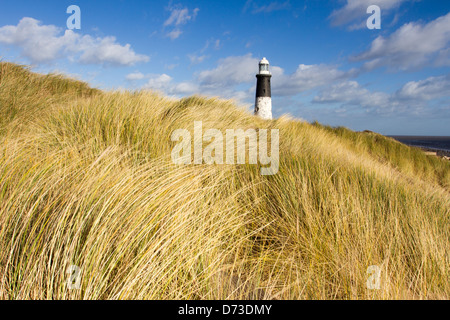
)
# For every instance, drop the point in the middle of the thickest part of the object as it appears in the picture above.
(86, 179)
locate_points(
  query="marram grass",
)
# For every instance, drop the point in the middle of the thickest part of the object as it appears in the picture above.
(86, 179)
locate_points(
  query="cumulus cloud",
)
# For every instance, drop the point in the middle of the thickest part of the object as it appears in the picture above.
(307, 77)
(412, 46)
(45, 43)
(106, 51)
(237, 70)
(356, 10)
(234, 77)
(351, 93)
(231, 71)
(234, 71)
(224, 81)
(428, 89)
(415, 97)
(38, 42)
(135, 76)
(159, 82)
(165, 84)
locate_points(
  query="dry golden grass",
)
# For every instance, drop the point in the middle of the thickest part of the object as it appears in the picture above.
(86, 179)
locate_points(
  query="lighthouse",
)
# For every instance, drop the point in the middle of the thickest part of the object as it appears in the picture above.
(263, 103)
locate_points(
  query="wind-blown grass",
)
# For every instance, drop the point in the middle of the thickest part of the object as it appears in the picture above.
(86, 179)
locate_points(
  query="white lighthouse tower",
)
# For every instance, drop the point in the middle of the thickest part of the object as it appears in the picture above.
(263, 103)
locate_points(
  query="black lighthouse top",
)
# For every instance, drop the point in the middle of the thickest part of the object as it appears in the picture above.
(263, 83)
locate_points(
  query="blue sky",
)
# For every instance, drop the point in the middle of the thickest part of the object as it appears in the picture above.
(326, 64)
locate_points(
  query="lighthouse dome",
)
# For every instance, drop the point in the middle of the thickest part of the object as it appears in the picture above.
(264, 66)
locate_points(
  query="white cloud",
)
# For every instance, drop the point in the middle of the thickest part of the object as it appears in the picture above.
(178, 17)
(158, 82)
(197, 59)
(38, 42)
(412, 46)
(443, 58)
(165, 84)
(414, 98)
(231, 71)
(46, 43)
(234, 77)
(107, 51)
(223, 81)
(174, 34)
(306, 77)
(356, 10)
(351, 93)
(171, 66)
(428, 89)
(135, 76)
(186, 88)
